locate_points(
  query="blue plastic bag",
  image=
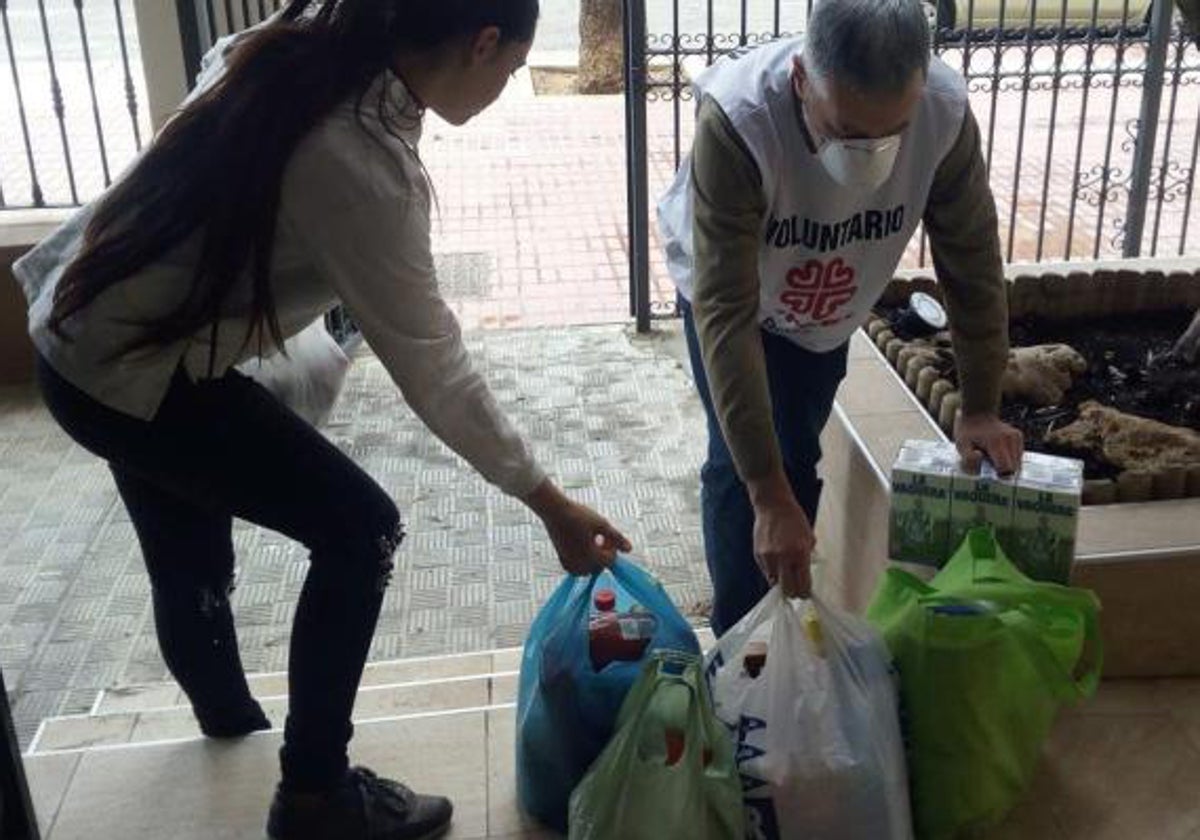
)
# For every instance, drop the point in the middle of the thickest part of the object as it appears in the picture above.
(566, 710)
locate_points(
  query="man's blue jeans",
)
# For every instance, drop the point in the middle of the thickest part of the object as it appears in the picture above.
(803, 385)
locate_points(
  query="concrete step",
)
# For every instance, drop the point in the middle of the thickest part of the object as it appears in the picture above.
(194, 789)
(398, 689)
(175, 723)
(138, 698)
(1140, 739)
(156, 696)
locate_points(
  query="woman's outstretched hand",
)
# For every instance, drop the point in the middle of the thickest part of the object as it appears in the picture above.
(585, 541)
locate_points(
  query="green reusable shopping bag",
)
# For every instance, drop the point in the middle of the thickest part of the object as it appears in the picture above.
(669, 769)
(986, 657)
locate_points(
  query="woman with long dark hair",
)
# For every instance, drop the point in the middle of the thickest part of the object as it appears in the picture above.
(289, 183)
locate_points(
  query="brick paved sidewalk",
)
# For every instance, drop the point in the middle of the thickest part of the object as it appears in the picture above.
(532, 224)
(532, 193)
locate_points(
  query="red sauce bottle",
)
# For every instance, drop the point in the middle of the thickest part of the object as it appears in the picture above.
(617, 637)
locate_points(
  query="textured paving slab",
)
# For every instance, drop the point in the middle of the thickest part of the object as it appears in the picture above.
(613, 417)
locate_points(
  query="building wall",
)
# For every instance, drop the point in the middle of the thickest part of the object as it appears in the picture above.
(16, 351)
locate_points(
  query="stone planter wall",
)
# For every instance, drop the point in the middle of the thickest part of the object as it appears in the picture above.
(1072, 295)
(1142, 560)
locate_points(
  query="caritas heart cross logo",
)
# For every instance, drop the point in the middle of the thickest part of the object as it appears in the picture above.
(817, 290)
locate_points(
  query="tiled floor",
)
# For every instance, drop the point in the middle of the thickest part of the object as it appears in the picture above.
(613, 417)
(1124, 766)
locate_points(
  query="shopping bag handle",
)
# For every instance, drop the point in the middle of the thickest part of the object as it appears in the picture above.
(701, 718)
(664, 657)
(806, 624)
(988, 561)
(1017, 615)
(1066, 685)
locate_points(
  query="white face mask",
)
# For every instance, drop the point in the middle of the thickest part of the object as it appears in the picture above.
(857, 164)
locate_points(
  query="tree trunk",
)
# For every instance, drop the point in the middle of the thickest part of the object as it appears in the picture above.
(601, 69)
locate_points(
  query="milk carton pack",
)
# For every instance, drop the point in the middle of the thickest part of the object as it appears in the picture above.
(983, 499)
(919, 520)
(1034, 514)
(1040, 538)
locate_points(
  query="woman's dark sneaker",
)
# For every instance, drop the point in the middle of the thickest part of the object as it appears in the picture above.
(365, 807)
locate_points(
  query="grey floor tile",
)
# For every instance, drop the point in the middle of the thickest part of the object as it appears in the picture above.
(615, 420)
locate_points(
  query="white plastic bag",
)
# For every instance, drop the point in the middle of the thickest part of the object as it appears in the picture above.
(309, 378)
(818, 730)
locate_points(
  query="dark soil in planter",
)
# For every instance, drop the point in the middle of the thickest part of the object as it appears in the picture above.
(1129, 368)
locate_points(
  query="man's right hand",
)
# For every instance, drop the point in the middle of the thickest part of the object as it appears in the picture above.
(783, 537)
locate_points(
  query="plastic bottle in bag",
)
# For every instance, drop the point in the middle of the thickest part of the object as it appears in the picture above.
(754, 658)
(618, 636)
(665, 737)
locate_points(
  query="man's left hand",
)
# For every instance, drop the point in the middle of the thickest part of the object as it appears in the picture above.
(986, 435)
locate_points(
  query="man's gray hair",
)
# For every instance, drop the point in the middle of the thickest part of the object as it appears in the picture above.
(872, 46)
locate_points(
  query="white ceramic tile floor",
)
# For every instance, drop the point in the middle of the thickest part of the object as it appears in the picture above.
(1121, 766)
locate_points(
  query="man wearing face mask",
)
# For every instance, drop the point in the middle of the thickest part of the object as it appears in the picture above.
(814, 160)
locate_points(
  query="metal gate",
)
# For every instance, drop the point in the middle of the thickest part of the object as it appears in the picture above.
(1090, 111)
(202, 22)
(71, 109)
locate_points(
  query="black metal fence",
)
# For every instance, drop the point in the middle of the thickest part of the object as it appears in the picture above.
(71, 99)
(73, 102)
(1089, 110)
(202, 22)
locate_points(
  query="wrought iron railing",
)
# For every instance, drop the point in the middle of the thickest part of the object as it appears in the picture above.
(1080, 166)
(75, 117)
(202, 22)
(1089, 114)
(71, 99)
(73, 102)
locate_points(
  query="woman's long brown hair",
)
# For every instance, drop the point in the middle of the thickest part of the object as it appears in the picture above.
(217, 166)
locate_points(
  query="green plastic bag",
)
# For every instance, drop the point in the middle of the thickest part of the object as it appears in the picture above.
(669, 769)
(986, 658)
